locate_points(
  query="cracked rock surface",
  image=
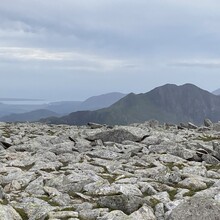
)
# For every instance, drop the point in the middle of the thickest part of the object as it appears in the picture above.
(146, 171)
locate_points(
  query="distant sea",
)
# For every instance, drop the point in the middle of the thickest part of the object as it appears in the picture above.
(23, 102)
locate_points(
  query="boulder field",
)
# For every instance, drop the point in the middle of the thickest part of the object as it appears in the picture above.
(147, 171)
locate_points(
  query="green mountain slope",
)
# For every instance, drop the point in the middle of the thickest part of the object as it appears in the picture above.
(168, 103)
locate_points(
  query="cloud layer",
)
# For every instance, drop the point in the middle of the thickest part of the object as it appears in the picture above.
(141, 43)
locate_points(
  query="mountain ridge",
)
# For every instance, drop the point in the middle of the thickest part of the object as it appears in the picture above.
(60, 108)
(167, 103)
(29, 116)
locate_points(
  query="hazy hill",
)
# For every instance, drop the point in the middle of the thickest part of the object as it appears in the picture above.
(168, 103)
(61, 108)
(7, 109)
(101, 101)
(29, 116)
(64, 107)
(216, 92)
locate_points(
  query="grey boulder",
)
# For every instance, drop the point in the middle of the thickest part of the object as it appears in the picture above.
(197, 208)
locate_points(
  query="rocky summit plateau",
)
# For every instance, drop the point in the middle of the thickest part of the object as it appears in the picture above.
(147, 171)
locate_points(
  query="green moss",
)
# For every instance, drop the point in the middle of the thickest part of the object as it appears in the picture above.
(22, 213)
(190, 193)
(68, 209)
(48, 170)
(27, 167)
(32, 136)
(49, 201)
(4, 202)
(214, 167)
(207, 138)
(153, 202)
(6, 132)
(172, 164)
(51, 133)
(53, 203)
(172, 194)
(151, 165)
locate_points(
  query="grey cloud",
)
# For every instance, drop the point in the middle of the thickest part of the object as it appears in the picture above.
(204, 63)
(103, 42)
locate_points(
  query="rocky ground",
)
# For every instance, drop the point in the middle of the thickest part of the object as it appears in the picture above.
(138, 172)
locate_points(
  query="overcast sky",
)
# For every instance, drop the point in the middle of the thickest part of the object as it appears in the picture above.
(74, 49)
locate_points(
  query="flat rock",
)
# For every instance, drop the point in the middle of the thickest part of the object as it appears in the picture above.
(127, 204)
(116, 135)
(7, 212)
(144, 213)
(115, 215)
(201, 208)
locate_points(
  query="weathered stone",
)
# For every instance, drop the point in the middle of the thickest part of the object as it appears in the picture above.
(210, 159)
(144, 213)
(192, 126)
(216, 126)
(195, 170)
(116, 135)
(159, 211)
(54, 171)
(63, 214)
(208, 123)
(115, 215)
(193, 184)
(201, 208)
(92, 214)
(34, 208)
(8, 213)
(127, 204)
(95, 125)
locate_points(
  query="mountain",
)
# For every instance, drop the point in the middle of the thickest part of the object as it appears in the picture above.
(101, 101)
(64, 107)
(29, 116)
(92, 103)
(168, 103)
(7, 109)
(216, 92)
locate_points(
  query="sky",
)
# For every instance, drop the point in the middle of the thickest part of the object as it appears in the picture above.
(74, 49)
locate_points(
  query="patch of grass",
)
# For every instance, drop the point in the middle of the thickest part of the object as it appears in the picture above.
(27, 167)
(48, 170)
(153, 202)
(207, 138)
(68, 209)
(32, 136)
(214, 167)
(51, 133)
(49, 201)
(53, 203)
(151, 165)
(22, 213)
(172, 194)
(4, 202)
(111, 178)
(172, 164)
(190, 193)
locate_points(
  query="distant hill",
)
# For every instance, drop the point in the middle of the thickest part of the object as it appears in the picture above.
(216, 92)
(101, 101)
(64, 107)
(7, 109)
(61, 108)
(168, 103)
(29, 116)
(92, 103)
(12, 113)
